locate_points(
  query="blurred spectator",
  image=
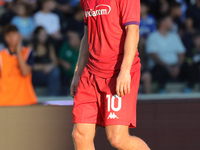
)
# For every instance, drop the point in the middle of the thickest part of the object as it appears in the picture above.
(2, 46)
(166, 51)
(2, 42)
(176, 14)
(31, 3)
(2, 3)
(2, 9)
(16, 64)
(50, 21)
(191, 66)
(60, 16)
(69, 55)
(193, 14)
(161, 7)
(7, 16)
(147, 21)
(64, 6)
(45, 69)
(74, 2)
(146, 81)
(184, 7)
(76, 22)
(23, 21)
(147, 25)
(189, 33)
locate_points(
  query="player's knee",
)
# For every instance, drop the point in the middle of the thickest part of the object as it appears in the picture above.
(116, 141)
(80, 136)
(77, 135)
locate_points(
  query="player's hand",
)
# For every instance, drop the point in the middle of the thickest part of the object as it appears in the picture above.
(74, 85)
(123, 83)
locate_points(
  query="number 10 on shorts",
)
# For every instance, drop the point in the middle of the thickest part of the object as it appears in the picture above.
(113, 101)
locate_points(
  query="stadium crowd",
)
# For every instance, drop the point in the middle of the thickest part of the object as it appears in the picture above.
(169, 40)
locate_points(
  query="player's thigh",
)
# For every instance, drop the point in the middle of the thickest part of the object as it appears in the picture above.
(117, 131)
(84, 130)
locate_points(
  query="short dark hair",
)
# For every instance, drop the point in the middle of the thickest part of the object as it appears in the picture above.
(10, 28)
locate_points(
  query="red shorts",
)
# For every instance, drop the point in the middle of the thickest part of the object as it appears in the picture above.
(96, 101)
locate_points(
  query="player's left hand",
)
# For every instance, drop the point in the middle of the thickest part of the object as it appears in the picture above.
(123, 83)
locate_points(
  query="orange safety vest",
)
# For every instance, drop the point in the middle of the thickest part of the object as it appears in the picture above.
(15, 89)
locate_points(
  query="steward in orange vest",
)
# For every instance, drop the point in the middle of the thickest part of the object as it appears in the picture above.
(16, 71)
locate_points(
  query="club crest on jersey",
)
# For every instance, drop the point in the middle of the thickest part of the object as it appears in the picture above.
(99, 10)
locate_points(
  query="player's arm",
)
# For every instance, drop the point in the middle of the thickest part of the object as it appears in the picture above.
(130, 49)
(82, 62)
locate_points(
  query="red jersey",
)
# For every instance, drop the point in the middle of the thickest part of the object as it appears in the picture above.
(106, 21)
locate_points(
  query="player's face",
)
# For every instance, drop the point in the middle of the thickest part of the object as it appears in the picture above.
(12, 38)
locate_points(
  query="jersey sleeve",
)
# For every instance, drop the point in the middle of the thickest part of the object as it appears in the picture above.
(130, 12)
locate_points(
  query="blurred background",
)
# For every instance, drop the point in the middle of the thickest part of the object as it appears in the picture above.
(169, 99)
(169, 42)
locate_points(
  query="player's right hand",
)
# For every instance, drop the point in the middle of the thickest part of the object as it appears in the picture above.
(74, 85)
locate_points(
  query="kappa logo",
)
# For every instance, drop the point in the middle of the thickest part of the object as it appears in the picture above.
(99, 10)
(112, 116)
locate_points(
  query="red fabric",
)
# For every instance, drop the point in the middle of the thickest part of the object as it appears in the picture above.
(106, 21)
(95, 101)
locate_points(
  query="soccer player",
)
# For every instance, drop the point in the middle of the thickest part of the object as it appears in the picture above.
(107, 75)
(16, 64)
